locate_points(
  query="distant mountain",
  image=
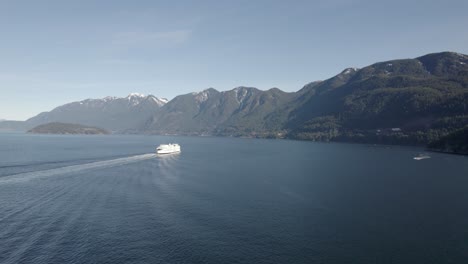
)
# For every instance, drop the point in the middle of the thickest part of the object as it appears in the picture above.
(9, 125)
(238, 111)
(112, 113)
(65, 128)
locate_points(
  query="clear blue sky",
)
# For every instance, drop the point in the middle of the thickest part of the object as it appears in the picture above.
(54, 52)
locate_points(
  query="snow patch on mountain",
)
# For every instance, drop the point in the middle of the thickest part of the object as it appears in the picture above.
(108, 98)
(349, 70)
(202, 96)
(136, 95)
(158, 101)
(133, 99)
(241, 94)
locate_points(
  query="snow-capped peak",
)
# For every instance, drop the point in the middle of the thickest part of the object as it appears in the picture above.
(109, 98)
(136, 95)
(132, 99)
(135, 98)
(349, 70)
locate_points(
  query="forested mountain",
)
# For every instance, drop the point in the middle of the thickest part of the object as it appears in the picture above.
(412, 101)
(240, 111)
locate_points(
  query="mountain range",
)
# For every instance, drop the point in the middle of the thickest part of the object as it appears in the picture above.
(118, 114)
(405, 101)
(242, 110)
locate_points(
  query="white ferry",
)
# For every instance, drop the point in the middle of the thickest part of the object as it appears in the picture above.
(168, 148)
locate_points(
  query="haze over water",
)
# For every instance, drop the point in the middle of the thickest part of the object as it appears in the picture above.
(108, 199)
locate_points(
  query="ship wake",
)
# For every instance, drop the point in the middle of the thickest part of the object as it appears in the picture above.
(22, 177)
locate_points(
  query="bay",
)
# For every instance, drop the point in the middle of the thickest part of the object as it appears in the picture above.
(109, 199)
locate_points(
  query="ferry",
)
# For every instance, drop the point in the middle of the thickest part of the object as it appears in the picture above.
(168, 148)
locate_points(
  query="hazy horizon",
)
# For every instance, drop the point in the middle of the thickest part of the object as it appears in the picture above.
(55, 52)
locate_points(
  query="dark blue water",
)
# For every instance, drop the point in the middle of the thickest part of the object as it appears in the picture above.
(107, 199)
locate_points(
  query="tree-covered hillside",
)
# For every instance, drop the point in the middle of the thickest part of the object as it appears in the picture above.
(66, 128)
(412, 101)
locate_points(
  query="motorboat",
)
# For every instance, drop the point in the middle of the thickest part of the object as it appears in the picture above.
(421, 157)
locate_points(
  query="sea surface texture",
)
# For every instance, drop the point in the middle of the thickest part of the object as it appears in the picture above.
(110, 199)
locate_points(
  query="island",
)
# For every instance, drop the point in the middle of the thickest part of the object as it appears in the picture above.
(66, 128)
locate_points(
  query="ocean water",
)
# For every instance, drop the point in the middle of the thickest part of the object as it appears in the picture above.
(109, 199)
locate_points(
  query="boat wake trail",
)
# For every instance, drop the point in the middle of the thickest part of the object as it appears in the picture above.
(22, 177)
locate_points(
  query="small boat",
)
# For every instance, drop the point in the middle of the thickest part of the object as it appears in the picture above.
(421, 157)
(168, 148)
